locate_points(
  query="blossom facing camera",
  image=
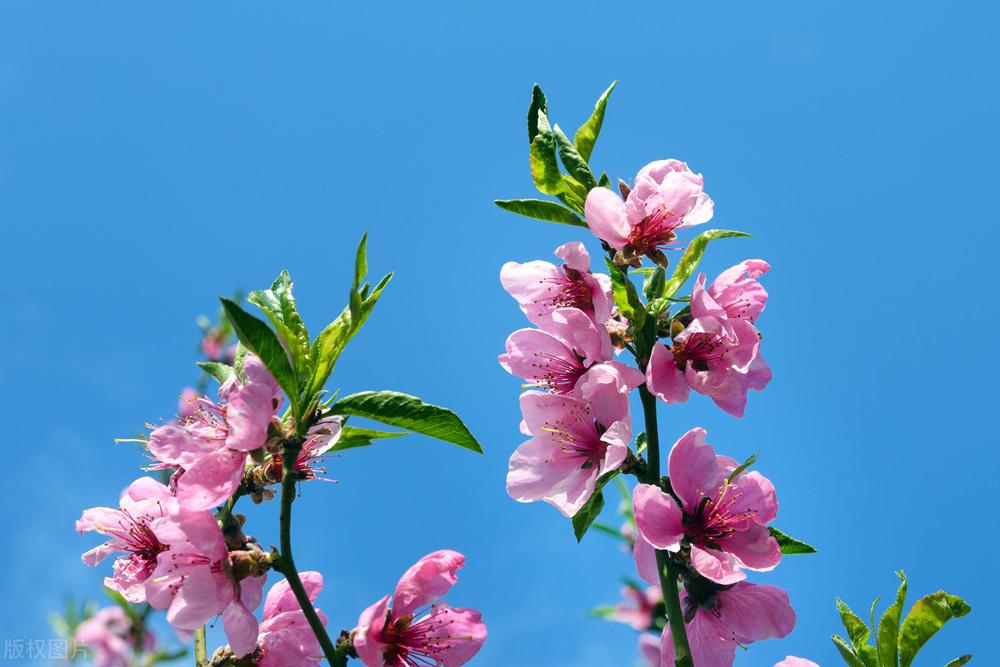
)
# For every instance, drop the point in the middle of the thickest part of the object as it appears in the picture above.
(714, 354)
(542, 287)
(417, 628)
(666, 197)
(723, 520)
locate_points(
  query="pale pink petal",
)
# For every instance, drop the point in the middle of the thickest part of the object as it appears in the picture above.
(663, 379)
(693, 470)
(792, 661)
(100, 519)
(702, 303)
(451, 636)
(211, 480)
(756, 611)
(755, 498)
(605, 214)
(240, 627)
(542, 359)
(575, 255)
(573, 491)
(426, 581)
(368, 635)
(281, 599)
(645, 561)
(602, 387)
(649, 649)
(98, 553)
(248, 414)
(574, 326)
(658, 518)
(538, 469)
(738, 292)
(754, 547)
(198, 599)
(718, 566)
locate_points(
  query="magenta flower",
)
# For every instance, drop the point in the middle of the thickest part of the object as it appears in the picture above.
(666, 197)
(285, 638)
(557, 354)
(724, 521)
(110, 637)
(541, 287)
(193, 579)
(725, 619)
(638, 606)
(792, 661)
(738, 292)
(130, 532)
(575, 440)
(210, 444)
(411, 634)
(715, 355)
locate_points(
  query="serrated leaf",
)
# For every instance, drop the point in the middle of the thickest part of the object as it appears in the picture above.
(218, 370)
(888, 626)
(626, 297)
(586, 135)
(743, 466)
(541, 210)
(789, 545)
(354, 436)
(857, 631)
(575, 164)
(410, 413)
(927, 616)
(689, 261)
(538, 104)
(846, 652)
(585, 516)
(258, 338)
(278, 304)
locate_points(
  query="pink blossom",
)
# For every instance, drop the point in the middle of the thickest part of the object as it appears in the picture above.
(557, 354)
(111, 638)
(409, 633)
(638, 606)
(576, 439)
(649, 649)
(541, 287)
(187, 403)
(715, 355)
(666, 197)
(210, 444)
(285, 638)
(738, 292)
(193, 579)
(130, 531)
(724, 521)
(725, 619)
(792, 661)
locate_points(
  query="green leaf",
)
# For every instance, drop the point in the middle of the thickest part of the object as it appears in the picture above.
(846, 652)
(743, 466)
(585, 516)
(958, 662)
(888, 627)
(216, 369)
(410, 413)
(575, 164)
(257, 337)
(604, 181)
(586, 136)
(279, 306)
(857, 631)
(927, 616)
(789, 545)
(692, 257)
(641, 442)
(541, 210)
(538, 104)
(544, 166)
(353, 436)
(653, 283)
(626, 297)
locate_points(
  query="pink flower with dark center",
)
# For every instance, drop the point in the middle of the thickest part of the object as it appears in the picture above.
(638, 607)
(725, 619)
(556, 355)
(130, 533)
(576, 439)
(194, 581)
(738, 292)
(666, 197)
(541, 287)
(210, 444)
(715, 355)
(418, 630)
(285, 638)
(723, 520)
(111, 638)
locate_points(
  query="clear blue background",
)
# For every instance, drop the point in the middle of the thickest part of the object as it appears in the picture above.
(153, 156)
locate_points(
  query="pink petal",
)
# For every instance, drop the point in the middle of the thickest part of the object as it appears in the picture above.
(248, 414)
(740, 296)
(711, 642)
(718, 566)
(199, 598)
(211, 480)
(693, 469)
(426, 581)
(649, 649)
(450, 635)
(660, 521)
(533, 285)
(605, 214)
(368, 634)
(756, 611)
(581, 334)
(575, 255)
(281, 599)
(645, 561)
(538, 469)
(702, 303)
(602, 387)
(755, 548)
(241, 629)
(540, 358)
(663, 379)
(792, 661)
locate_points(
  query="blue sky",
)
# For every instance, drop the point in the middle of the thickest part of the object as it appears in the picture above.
(154, 157)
